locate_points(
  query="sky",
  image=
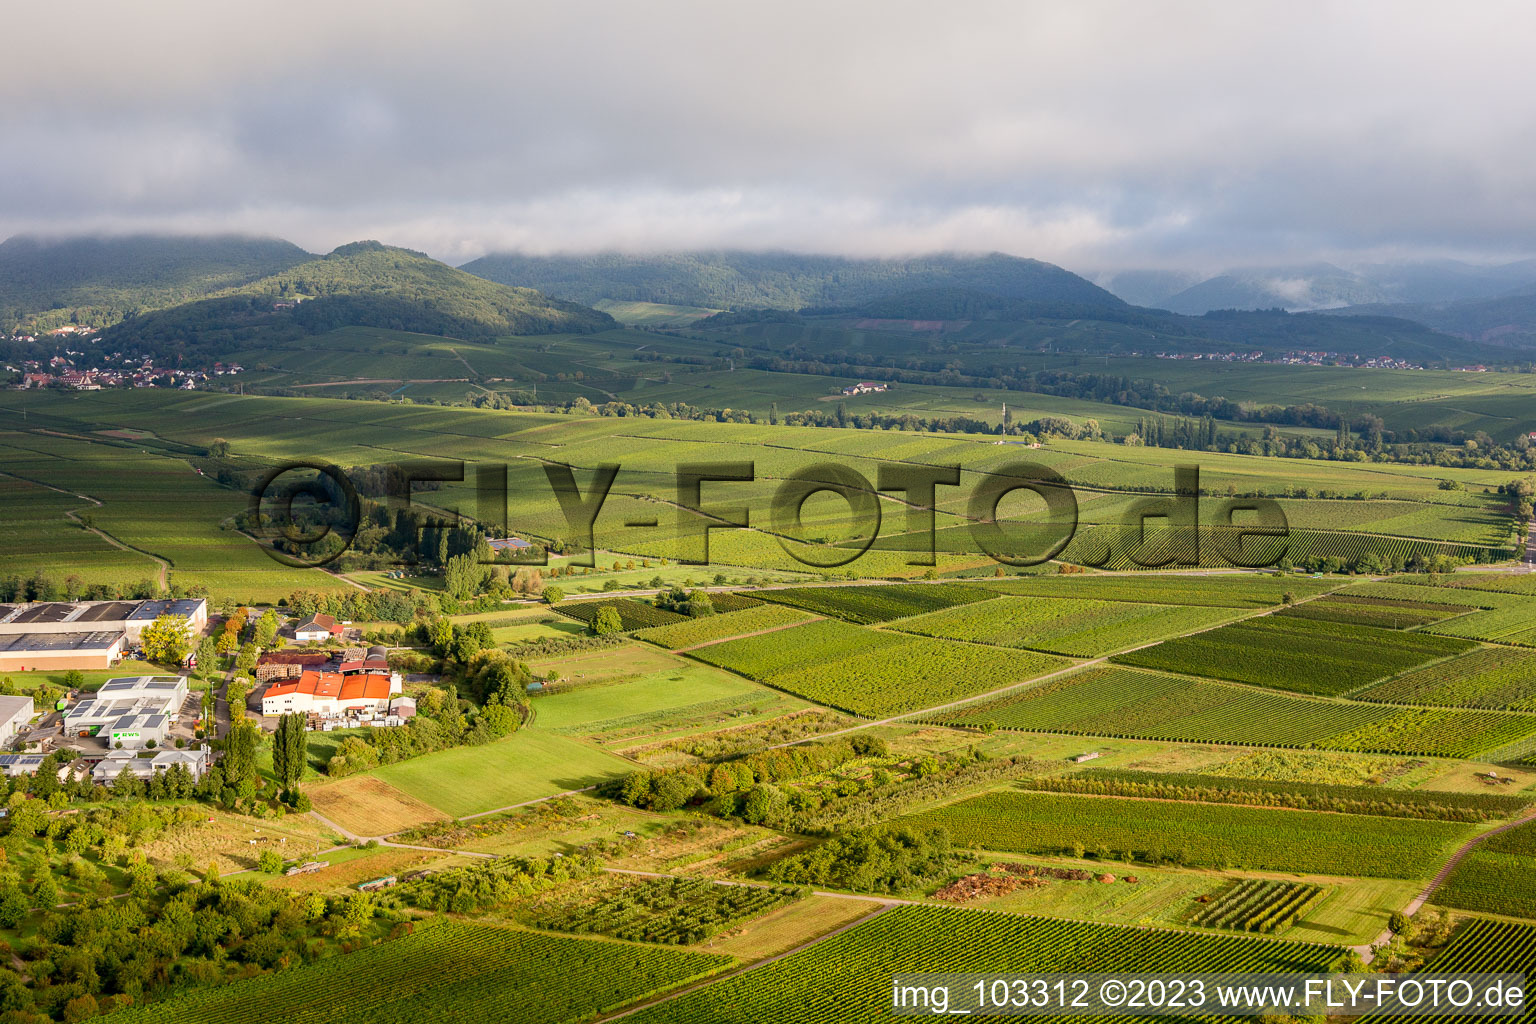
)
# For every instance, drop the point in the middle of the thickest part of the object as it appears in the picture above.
(1179, 135)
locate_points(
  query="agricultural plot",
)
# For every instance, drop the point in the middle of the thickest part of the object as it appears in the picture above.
(1496, 582)
(1484, 947)
(1303, 655)
(711, 628)
(1258, 905)
(1072, 626)
(1442, 732)
(1489, 677)
(1372, 611)
(1497, 618)
(528, 764)
(448, 971)
(681, 684)
(1492, 883)
(847, 979)
(873, 673)
(632, 614)
(877, 603)
(1113, 701)
(1233, 591)
(669, 911)
(1203, 835)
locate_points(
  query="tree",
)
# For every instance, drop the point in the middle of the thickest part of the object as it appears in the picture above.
(167, 640)
(207, 651)
(463, 577)
(289, 750)
(240, 756)
(552, 595)
(74, 679)
(266, 629)
(270, 862)
(607, 621)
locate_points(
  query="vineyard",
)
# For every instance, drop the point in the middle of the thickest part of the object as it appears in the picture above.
(1258, 905)
(1441, 732)
(1372, 611)
(449, 971)
(632, 614)
(1485, 947)
(1198, 835)
(868, 672)
(1491, 883)
(1212, 591)
(1125, 702)
(847, 979)
(1111, 546)
(671, 911)
(877, 603)
(1313, 796)
(727, 601)
(720, 627)
(1302, 655)
(1508, 618)
(1489, 677)
(1061, 625)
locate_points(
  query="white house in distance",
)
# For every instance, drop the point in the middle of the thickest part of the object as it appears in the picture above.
(15, 713)
(865, 387)
(119, 761)
(318, 628)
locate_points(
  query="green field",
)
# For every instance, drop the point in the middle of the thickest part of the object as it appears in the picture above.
(720, 627)
(1206, 835)
(1489, 677)
(1235, 591)
(1125, 702)
(870, 604)
(689, 683)
(524, 766)
(1304, 655)
(847, 979)
(446, 972)
(1061, 625)
(870, 672)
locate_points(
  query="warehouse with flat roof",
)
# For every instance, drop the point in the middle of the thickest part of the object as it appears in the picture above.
(131, 711)
(96, 649)
(128, 617)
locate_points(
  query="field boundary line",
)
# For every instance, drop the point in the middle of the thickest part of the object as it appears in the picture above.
(738, 972)
(743, 636)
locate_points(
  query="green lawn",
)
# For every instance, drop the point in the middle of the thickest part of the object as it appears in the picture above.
(686, 685)
(528, 764)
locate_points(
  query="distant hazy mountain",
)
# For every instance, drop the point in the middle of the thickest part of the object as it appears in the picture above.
(1508, 321)
(1150, 288)
(776, 280)
(1324, 286)
(98, 280)
(1307, 287)
(366, 284)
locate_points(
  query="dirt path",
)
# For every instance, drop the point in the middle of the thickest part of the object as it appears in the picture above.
(1445, 872)
(163, 567)
(743, 636)
(755, 965)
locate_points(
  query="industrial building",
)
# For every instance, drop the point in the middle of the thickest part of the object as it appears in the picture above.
(127, 617)
(132, 711)
(119, 761)
(15, 714)
(58, 635)
(330, 693)
(97, 649)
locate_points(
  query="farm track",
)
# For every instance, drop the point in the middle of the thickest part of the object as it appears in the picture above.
(743, 636)
(163, 567)
(1445, 872)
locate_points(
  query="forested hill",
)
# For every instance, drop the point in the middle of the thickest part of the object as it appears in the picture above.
(97, 281)
(776, 280)
(362, 284)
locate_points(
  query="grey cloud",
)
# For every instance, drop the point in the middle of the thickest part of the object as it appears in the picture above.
(1096, 134)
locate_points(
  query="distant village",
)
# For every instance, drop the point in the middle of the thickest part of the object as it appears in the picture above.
(129, 371)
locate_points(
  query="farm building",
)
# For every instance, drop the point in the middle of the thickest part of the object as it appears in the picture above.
(865, 387)
(15, 713)
(118, 761)
(131, 711)
(318, 628)
(331, 693)
(90, 650)
(375, 662)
